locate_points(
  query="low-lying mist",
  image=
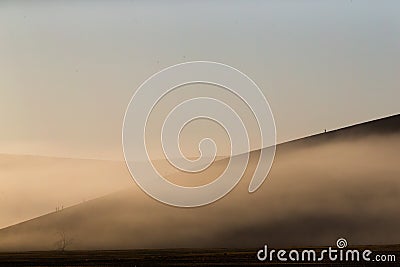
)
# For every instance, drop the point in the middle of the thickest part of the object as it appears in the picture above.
(31, 186)
(314, 194)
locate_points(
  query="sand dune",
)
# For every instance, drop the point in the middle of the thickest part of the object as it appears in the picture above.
(344, 183)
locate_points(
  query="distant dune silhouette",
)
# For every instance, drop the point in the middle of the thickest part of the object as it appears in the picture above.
(343, 183)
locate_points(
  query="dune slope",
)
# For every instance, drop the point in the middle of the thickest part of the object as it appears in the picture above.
(344, 183)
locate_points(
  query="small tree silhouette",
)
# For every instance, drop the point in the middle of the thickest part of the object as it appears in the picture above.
(63, 241)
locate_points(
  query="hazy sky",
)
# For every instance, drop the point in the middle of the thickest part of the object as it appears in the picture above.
(69, 68)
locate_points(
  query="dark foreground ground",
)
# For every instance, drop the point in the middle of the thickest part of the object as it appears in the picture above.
(174, 257)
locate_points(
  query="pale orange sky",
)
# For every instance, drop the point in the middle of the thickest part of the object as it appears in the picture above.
(69, 68)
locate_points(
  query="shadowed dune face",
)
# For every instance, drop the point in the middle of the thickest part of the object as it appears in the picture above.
(345, 187)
